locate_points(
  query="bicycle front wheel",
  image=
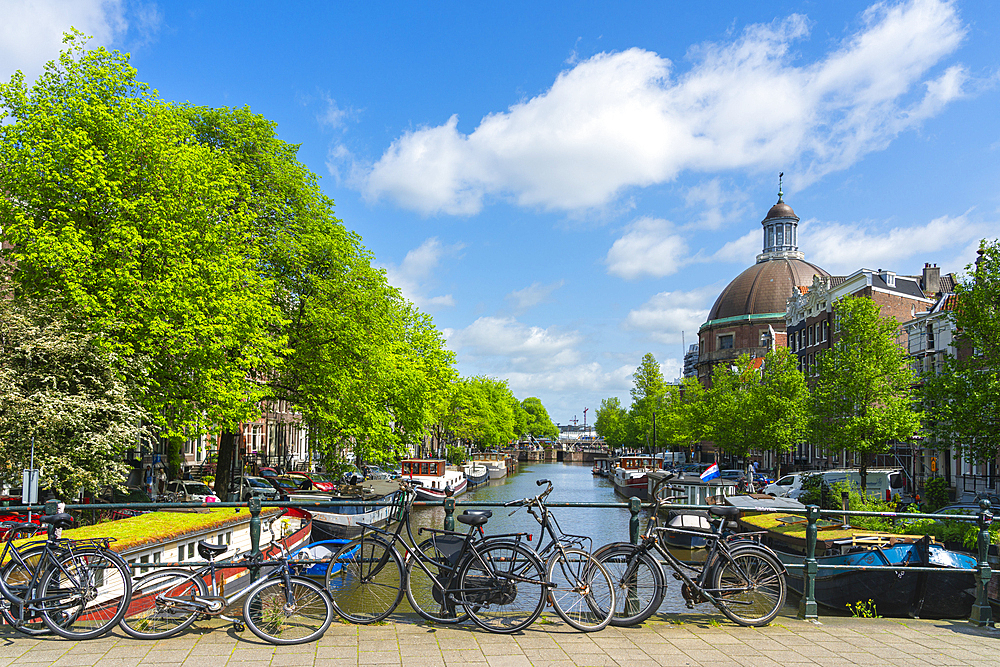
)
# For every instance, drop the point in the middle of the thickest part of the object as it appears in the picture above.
(502, 587)
(750, 586)
(17, 577)
(162, 604)
(583, 594)
(638, 580)
(84, 594)
(288, 614)
(365, 580)
(425, 589)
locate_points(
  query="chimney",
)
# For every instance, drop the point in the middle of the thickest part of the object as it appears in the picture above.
(932, 279)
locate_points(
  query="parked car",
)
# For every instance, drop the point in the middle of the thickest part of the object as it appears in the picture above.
(352, 475)
(733, 475)
(375, 472)
(885, 482)
(187, 491)
(314, 481)
(285, 485)
(268, 472)
(257, 486)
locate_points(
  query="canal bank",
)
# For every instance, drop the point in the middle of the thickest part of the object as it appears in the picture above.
(685, 639)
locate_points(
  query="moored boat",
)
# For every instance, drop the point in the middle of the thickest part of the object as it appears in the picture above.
(495, 462)
(344, 521)
(630, 476)
(602, 467)
(435, 481)
(476, 473)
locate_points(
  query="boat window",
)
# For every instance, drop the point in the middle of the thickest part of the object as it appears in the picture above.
(191, 550)
(440, 468)
(180, 552)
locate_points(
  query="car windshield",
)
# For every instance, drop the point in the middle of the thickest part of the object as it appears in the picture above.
(317, 477)
(286, 483)
(198, 488)
(258, 483)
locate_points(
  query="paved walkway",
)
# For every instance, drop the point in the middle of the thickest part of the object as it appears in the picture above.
(685, 639)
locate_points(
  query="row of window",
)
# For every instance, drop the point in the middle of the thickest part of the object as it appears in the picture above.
(184, 552)
(811, 335)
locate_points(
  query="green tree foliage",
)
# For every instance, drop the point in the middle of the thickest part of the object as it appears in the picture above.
(683, 416)
(963, 402)
(863, 396)
(611, 422)
(482, 411)
(62, 391)
(648, 386)
(538, 422)
(758, 406)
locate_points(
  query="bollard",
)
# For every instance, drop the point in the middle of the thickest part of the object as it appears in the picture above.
(254, 505)
(449, 514)
(845, 504)
(982, 615)
(807, 605)
(634, 505)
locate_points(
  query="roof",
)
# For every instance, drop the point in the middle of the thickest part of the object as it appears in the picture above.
(904, 285)
(764, 288)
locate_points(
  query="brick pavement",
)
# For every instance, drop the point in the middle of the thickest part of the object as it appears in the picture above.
(675, 639)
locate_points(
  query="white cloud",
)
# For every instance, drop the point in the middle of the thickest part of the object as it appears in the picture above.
(843, 248)
(715, 204)
(31, 30)
(649, 247)
(583, 378)
(515, 345)
(416, 272)
(667, 314)
(532, 295)
(623, 120)
(742, 250)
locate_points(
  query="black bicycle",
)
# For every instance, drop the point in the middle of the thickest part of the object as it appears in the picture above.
(742, 578)
(78, 589)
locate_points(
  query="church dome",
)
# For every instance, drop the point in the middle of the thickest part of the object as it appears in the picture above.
(764, 287)
(780, 210)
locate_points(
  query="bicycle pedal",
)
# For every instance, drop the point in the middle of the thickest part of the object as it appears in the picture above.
(677, 576)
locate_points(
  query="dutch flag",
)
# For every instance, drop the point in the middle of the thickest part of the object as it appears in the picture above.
(711, 473)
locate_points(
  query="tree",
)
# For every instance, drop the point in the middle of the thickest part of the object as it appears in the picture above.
(682, 418)
(62, 394)
(539, 424)
(647, 386)
(963, 401)
(758, 404)
(482, 411)
(863, 396)
(611, 422)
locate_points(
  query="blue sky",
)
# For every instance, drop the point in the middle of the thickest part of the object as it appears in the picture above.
(566, 187)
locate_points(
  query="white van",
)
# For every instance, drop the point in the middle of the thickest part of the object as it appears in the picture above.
(885, 482)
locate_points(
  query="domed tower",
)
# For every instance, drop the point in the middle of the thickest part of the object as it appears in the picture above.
(749, 315)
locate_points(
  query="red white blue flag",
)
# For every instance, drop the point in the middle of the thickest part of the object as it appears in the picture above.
(711, 473)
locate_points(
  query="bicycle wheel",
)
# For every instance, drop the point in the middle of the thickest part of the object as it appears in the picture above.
(424, 589)
(502, 587)
(638, 578)
(584, 594)
(158, 606)
(365, 580)
(750, 586)
(85, 594)
(18, 578)
(288, 614)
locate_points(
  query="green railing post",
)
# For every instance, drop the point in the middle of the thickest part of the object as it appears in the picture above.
(449, 514)
(634, 505)
(254, 504)
(807, 605)
(982, 615)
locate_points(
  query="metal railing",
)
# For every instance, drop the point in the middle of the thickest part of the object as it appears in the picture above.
(981, 614)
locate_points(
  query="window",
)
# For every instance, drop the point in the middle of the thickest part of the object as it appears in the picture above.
(811, 340)
(726, 342)
(180, 552)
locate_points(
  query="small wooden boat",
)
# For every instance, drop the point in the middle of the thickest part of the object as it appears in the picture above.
(435, 481)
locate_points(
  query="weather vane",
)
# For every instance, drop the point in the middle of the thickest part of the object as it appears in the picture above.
(780, 193)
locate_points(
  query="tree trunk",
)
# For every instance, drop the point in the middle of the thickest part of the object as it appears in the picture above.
(863, 473)
(224, 467)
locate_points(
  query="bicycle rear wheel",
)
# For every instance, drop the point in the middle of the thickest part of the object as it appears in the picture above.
(503, 589)
(365, 580)
(424, 590)
(85, 594)
(288, 614)
(159, 605)
(750, 586)
(584, 594)
(638, 580)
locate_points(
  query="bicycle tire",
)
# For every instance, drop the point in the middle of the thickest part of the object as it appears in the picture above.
(584, 593)
(426, 595)
(753, 567)
(17, 578)
(77, 586)
(146, 619)
(365, 580)
(270, 616)
(490, 592)
(637, 595)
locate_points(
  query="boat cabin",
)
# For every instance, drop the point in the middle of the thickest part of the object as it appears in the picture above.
(423, 467)
(637, 463)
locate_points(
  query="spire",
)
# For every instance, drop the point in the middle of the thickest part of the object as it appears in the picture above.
(780, 193)
(781, 236)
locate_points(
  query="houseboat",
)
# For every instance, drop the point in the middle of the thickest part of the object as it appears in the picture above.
(476, 473)
(435, 481)
(602, 467)
(495, 462)
(630, 476)
(339, 521)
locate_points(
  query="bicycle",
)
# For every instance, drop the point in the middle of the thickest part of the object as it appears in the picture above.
(498, 581)
(78, 589)
(282, 608)
(742, 578)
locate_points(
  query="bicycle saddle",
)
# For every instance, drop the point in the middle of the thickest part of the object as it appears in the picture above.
(724, 511)
(473, 519)
(61, 520)
(206, 549)
(486, 513)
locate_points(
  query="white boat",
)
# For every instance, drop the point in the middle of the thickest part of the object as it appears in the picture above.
(476, 473)
(630, 475)
(495, 462)
(435, 481)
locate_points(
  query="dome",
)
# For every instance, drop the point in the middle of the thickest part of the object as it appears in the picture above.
(764, 287)
(780, 210)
